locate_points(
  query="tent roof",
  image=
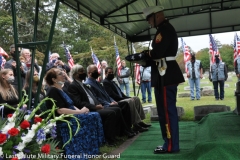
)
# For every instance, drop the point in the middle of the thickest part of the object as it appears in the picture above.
(189, 17)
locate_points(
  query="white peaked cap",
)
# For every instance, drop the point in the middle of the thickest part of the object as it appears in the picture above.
(153, 9)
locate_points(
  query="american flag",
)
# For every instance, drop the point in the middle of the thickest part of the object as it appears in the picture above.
(186, 53)
(137, 69)
(213, 50)
(3, 53)
(118, 60)
(236, 46)
(69, 57)
(96, 61)
(2, 59)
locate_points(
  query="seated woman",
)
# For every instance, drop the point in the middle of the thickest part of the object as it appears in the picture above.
(91, 136)
(33, 92)
(8, 93)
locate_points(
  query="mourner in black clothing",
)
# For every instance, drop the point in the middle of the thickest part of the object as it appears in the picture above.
(136, 109)
(83, 97)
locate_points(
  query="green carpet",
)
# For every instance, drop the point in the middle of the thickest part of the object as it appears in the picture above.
(215, 137)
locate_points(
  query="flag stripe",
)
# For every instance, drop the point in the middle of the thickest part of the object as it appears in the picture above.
(69, 57)
(213, 50)
(186, 54)
(118, 60)
(236, 47)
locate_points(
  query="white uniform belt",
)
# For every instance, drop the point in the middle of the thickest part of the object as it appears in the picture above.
(170, 58)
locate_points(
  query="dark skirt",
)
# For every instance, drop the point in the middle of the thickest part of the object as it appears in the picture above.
(87, 141)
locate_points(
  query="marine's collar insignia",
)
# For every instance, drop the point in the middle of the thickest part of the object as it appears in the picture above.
(158, 38)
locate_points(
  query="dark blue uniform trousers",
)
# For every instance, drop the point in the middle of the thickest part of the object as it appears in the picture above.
(168, 116)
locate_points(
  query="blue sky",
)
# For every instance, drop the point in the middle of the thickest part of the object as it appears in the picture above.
(199, 42)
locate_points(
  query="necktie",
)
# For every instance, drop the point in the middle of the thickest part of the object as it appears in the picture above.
(91, 95)
(103, 90)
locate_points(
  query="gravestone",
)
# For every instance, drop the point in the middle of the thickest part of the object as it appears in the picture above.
(207, 87)
(148, 108)
(185, 94)
(187, 88)
(230, 79)
(204, 82)
(207, 92)
(154, 113)
(226, 85)
(201, 111)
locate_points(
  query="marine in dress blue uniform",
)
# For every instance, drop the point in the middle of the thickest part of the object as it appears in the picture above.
(165, 77)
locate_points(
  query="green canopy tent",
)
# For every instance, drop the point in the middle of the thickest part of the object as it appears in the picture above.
(124, 17)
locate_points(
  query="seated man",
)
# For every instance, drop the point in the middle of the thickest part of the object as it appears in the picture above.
(137, 113)
(83, 97)
(106, 101)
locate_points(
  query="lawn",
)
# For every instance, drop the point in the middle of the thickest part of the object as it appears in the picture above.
(188, 105)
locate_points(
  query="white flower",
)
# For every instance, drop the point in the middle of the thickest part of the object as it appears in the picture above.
(46, 130)
(27, 138)
(20, 155)
(35, 126)
(50, 125)
(20, 146)
(26, 117)
(7, 127)
(1, 152)
(30, 134)
(12, 119)
(40, 142)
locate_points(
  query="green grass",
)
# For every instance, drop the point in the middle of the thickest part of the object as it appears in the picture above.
(187, 104)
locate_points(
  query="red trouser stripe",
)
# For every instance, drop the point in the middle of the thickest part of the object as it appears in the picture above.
(167, 118)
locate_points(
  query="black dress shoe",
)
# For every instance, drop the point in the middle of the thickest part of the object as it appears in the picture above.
(136, 127)
(129, 134)
(142, 124)
(159, 150)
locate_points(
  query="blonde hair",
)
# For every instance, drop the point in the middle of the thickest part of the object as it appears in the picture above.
(4, 91)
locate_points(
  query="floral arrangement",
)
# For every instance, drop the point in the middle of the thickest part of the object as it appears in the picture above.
(25, 135)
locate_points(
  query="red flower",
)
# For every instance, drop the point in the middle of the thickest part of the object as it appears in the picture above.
(25, 124)
(14, 158)
(46, 148)
(13, 131)
(9, 115)
(37, 119)
(3, 138)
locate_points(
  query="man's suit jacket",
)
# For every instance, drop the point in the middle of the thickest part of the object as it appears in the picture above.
(79, 96)
(112, 91)
(99, 92)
